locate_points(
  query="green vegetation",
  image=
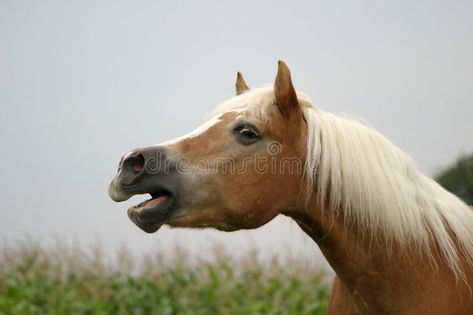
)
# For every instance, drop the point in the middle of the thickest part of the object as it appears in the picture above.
(458, 178)
(36, 279)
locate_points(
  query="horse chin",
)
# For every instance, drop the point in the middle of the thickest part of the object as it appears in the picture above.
(186, 218)
(151, 214)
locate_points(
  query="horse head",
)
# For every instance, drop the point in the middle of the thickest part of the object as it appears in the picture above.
(237, 171)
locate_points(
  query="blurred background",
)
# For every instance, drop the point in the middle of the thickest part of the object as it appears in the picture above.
(82, 82)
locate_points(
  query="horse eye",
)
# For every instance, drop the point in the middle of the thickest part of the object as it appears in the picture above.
(246, 134)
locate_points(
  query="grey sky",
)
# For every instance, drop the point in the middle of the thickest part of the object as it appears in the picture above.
(81, 82)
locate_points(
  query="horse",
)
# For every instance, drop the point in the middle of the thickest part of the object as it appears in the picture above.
(398, 242)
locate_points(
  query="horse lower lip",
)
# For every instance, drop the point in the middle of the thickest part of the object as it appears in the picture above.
(152, 213)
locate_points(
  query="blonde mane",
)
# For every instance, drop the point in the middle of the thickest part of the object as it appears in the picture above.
(372, 182)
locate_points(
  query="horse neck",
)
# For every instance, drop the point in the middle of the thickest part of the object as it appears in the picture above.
(348, 251)
(365, 264)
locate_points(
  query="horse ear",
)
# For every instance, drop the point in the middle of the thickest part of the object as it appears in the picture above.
(240, 84)
(286, 97)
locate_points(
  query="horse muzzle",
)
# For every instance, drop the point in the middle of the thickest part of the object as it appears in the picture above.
(153, 171)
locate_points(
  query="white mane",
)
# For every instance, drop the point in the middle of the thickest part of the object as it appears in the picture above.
(372, 182)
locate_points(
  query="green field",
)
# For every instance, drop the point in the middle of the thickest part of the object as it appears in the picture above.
(65, 279)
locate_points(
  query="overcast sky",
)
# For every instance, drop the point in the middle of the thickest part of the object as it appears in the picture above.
(82, 82)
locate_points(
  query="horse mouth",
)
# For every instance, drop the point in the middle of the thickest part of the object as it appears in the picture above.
(152, 213)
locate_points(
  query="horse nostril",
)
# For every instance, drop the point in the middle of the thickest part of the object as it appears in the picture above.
(138, 167)
(134, 163)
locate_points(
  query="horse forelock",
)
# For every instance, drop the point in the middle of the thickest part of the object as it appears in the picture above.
(257, 102)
